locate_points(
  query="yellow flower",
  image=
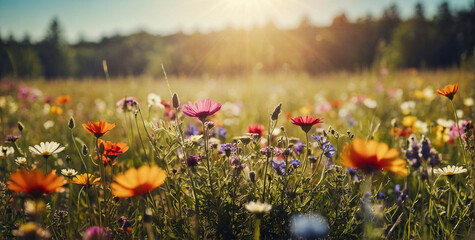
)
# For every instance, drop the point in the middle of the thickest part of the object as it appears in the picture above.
(56, 110)
(86, 179)
(409, 121)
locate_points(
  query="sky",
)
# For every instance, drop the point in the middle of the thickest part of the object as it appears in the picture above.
(93, 19)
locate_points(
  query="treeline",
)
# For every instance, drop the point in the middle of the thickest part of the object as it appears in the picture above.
(444, 40)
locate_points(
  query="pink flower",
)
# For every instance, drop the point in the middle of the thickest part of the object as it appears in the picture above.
(201, 109)
(306, 122)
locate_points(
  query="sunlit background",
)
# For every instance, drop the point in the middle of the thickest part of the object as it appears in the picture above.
(92, 19)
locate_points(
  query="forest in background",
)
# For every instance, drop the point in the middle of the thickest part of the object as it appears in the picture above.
(390, 42)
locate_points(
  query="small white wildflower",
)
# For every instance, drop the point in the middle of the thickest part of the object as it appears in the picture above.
(195, 138)
(450, 170)
(258, 207)
(20, 161)
(69, 172)
(155, 101)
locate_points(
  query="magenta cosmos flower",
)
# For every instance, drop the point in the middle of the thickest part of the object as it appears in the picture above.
(201, 109)
(306, 122)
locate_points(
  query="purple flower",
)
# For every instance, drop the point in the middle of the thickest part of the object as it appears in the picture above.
(222, 133)
(327, 148)
(298, 148)
(295, 163)
(98, 233)
(425, 148)
(380, 195)
(192, 161)
(397, 187)
(127, 104)
(266, 151)
(12, 138)
(192, 130)
(227, 148)
(279, 167)
(278, 152)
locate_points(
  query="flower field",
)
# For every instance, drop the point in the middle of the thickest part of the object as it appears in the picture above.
(366, 155)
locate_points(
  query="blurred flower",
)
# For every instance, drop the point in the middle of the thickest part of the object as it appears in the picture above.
(31, 230)
(468, 102)
(372, 156)
(98, 128)
(380, 195)
(34, 183)
(191, 130)
(370, 103)
(295, 163)
(445, 123)
(20, 161)
(192, 161)
(306, 122)
(453, 133)
(256, 129)
(127, 104)
(409, 121)
(279, 167)
(62, 100)
(136, 182)
(309, 226)
(257, 207)
(98, 233)
(6, 151)
(48, 124)
(441, 135)
(125, 225)
(450, 171)
(69, 172)
(449, 90)
(420, 127)
(299, 147)
(55, 110)
(228, 148)
(46, 149)
(195, 138)
(12, 138)
(426, 94)
(201, 109)
(305, 110)
(407, 107)
(86, 180)
(154, 101)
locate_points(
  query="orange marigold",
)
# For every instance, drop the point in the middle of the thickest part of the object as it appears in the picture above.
(449, 90)
(99, 129)
(35, 183)
(372, 156)
(136, 182)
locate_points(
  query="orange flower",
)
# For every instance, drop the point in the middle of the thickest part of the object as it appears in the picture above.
(371, 156)
(86, 179)
(449, 90)
(61, 100)
(98, 128)
(35, 183)
(112, 150)
(138, 181)
(56, 110)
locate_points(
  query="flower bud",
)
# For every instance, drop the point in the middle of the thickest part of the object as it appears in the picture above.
(252, 176)
(276, 112)
(84, 150)
(71, 123)
(68, 158)
(175, 101)
(20, 126)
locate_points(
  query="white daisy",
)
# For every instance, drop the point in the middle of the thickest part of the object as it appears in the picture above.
(6, 151)
(46, 148)
(450, 170)
(20, 161)
(258, 207)
(69, 172)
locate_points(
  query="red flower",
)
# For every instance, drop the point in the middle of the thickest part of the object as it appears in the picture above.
(256, 129)
(306, 122)
(201, 109)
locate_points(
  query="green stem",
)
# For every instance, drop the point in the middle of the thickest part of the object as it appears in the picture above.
(257, 229)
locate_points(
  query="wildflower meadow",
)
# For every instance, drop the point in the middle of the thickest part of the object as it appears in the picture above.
(370, 155)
